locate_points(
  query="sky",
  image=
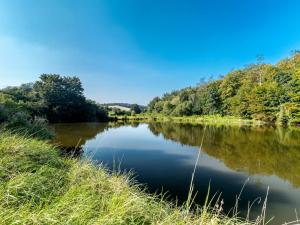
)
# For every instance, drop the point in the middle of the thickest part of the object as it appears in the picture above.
(134, 50)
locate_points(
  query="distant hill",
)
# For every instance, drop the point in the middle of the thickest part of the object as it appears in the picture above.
(122, 106)
(119, 107)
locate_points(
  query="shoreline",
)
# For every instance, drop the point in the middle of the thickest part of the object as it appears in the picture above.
(41, 186)
(208, 120)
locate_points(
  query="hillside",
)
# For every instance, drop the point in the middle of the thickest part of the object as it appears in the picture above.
(119, 107)
(124, 106)
(259, 91)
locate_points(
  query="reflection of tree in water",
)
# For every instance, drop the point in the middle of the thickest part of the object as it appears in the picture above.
(76, 135)
(256, 150)
(121, 123)
(73, 136)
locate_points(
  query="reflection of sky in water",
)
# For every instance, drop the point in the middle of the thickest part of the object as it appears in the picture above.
(139, 137)
(166, 164)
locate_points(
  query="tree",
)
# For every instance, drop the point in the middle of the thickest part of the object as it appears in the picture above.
(136, 109)
(151, 105)
(183, 109)
(62, 97)
(168, 108)
(260, 59)
(63, 100)
(228, 90)
(22, 93)
(211, 99)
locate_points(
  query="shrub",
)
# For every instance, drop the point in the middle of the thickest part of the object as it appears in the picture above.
(21, 122)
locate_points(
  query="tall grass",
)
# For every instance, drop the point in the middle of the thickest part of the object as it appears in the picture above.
(39, 186)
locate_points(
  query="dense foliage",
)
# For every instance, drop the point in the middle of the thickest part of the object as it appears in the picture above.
(53, 98)
(135, 108)
(259, 91)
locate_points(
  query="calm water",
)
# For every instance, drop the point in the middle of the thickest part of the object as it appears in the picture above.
(163, 155)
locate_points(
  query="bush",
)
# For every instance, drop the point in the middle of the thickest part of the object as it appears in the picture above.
(21, 122)
(3, 114)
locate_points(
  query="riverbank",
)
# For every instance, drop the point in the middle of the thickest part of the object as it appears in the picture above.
(205, 119)
(39, 186)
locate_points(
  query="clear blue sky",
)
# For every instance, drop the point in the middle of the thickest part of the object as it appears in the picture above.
(133, 50)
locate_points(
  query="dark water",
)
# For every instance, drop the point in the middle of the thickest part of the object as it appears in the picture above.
(163, 155)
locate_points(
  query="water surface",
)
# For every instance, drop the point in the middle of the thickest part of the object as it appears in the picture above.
(163, 155)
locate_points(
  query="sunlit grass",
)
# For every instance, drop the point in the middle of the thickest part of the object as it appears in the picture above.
(39, 186)
(195, 119)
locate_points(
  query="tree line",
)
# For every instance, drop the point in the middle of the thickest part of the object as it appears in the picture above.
(53, 98)
(259, 91)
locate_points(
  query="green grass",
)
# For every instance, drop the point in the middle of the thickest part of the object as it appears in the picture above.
(39, 186)
(204, 119)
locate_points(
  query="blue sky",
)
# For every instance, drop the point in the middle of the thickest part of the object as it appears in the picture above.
(133, 50)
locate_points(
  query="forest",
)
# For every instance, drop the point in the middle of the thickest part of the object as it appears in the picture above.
(260, 91)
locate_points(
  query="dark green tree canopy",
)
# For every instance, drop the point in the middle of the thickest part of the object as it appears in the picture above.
(55, 98)
(54, 89)
(136, 109)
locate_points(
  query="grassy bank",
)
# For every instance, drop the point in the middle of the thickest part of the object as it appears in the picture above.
(39, 186)
(208, 119)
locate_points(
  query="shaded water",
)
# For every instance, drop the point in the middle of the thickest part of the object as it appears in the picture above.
(163, 156)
